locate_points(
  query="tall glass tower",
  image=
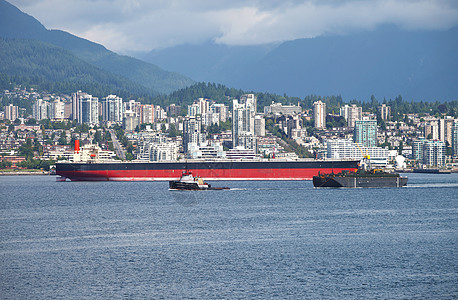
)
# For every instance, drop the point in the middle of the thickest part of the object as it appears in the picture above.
(365, 133)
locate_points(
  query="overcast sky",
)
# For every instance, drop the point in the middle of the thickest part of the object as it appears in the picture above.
(141, 25)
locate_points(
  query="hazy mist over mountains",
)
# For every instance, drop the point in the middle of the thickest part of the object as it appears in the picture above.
(385, 62)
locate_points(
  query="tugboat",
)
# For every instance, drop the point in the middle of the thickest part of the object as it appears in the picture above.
(190, 182)
(374, 178)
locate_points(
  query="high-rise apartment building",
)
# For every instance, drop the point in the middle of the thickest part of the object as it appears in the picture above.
(112, 109)
(432, 130)
(259, 125)
(417, 149)
(319, 114)
(446, 129)
(57, 109)
(385, 111)
(159, 113)
(40, 109)
(434, 153)
(351, 114)
(220, 109)
(89, 110)
(365, 133)
(85, 108)
(147, 114)
(192, 132)
(250, 99)
(11, 112)
(243, 116)
(173, 110)
(133, 106)
(455, 138)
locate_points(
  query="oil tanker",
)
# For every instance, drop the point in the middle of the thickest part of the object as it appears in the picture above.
(88, 165)
(210, 170)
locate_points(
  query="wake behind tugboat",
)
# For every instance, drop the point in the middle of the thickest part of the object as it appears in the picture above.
(190, 182)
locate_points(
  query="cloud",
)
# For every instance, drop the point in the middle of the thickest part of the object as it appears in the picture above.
(139, 25)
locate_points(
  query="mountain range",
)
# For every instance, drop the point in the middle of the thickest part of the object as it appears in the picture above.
(386, 62)
(14, 24)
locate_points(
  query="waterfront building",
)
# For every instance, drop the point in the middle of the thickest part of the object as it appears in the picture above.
(365, 133)
(319, 113)
(11, 112)
(385, 112)
(417, 149)
(214, 150)
(112, 109)
(455, 138)
(342, 148)
(164, 151)
(351, 114)
(241, 153)
(434, 153)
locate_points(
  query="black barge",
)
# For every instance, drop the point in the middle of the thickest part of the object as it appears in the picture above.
(360, 179)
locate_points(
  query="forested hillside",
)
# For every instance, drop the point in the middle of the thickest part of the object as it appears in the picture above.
(47, 67)
(14, 24)
(223, 94)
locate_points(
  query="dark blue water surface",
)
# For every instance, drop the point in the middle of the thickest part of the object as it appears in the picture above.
(264, 240)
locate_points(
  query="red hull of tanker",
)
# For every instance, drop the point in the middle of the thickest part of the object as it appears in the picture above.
(209, 171)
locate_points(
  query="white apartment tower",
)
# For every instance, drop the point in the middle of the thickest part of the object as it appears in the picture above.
(40, 109)
(432, 130)
(88, 110)
(112, 109)
(58, 109)
(147, 114)
(11, 112)
(434, 153)
(85, 108)
(385, 111)
(192, 132)
(319, 114)
(351, 114)
(243, 116)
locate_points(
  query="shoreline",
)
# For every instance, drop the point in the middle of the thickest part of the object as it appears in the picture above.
(25, 173)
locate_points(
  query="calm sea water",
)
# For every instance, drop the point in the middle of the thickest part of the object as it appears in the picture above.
(261, 240)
